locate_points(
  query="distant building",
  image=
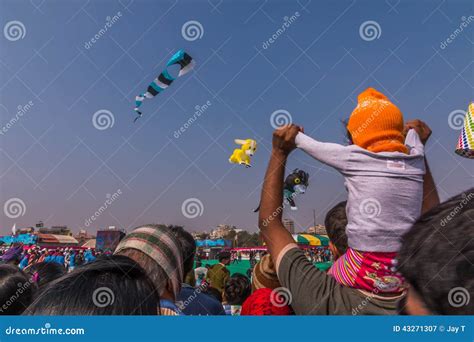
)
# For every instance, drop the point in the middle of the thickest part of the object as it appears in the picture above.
(56, 230)
(289, 225)
(221, 231)
(25, 230)
(83, 237)
(200, 235)
(318, 229)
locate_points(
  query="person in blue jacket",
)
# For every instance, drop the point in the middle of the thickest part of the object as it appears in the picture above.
(24, 261)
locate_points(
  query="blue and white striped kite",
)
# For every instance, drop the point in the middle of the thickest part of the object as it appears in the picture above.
(164, 80)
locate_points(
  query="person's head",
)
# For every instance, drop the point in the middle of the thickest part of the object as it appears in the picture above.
(42, 273)
(336, 222)
(264, 274)
(437, 259)
(236, 289)
(188, 247)
(16, 290)
(224, 257)
(376, 124)
(156, 249)
(198, 264)
(115, 285)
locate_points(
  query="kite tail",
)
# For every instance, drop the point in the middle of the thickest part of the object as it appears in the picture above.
(138, 117)
(138, 102)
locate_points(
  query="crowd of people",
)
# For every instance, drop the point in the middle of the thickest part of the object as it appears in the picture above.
(316, 255)
(409, 256)
(69, 257)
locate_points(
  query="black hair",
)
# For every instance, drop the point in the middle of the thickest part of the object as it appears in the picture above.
(43, 273)
(188, 247)
(336, 222)
(116, 285)
(237, 289)
(437, 256)
(223, 255)
(16, 290)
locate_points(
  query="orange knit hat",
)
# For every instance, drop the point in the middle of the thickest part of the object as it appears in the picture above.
(376, 124)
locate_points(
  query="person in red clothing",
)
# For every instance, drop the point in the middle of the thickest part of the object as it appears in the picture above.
(266, 302)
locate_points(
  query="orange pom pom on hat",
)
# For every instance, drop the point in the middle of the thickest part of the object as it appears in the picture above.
(376, 124)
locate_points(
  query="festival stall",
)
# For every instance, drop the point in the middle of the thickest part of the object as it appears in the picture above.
(311, 240)
(50, 240)
(26, 239)
(209, 249)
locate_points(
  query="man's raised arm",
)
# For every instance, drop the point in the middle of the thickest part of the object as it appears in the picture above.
(270, 222)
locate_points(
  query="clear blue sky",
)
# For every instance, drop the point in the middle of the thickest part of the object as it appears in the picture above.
(62, 167)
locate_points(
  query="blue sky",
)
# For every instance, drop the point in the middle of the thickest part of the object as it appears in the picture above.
(63, 168)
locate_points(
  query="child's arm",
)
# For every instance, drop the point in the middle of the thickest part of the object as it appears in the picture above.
(413, 142)
(430, 193)
(334, 155)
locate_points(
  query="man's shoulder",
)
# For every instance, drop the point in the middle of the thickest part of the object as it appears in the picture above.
(374, 304)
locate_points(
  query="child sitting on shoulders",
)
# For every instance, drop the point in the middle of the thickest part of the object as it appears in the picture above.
(383, 172)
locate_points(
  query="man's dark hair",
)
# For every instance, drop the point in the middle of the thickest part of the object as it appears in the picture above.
(336, 222)
(223, 256)
(16, 290)
(45, 272)
(437, 256)
(188, 247)
(237, 289)
(114, 285)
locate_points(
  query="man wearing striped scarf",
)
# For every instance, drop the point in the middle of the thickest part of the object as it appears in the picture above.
(156, 249)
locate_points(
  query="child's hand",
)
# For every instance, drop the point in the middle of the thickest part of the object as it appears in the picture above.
(284, 138)
(423, 130)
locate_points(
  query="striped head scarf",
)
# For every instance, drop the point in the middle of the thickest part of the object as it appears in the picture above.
(158, 243)
(264, 274)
